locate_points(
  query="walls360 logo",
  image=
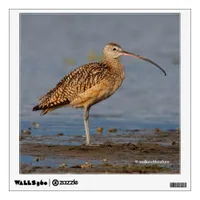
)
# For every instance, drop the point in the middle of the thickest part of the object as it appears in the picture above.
(30, 182)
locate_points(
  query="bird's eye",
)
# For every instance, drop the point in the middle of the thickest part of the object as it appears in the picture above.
(114, 49)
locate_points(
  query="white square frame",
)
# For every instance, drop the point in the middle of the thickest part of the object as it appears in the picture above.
(110, 181)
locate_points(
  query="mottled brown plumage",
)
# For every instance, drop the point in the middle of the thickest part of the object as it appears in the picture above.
(88, 84)
(72, 87)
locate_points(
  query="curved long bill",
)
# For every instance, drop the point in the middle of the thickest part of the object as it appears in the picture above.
(125, 53)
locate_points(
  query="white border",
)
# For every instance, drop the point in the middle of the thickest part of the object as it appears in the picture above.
(101, 182)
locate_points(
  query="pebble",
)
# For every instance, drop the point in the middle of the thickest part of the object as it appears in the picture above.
(99, 130)
(177, 129)
(21, 137)
(42, 157)
(36, 159)
(60, 134)
(86, 165)
(112, 130)
(64, 166)
(173, 143)
(35, 125)
(157, 130)
(26, 132)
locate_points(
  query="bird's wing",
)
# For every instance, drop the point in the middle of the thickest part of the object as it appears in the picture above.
(76, 82)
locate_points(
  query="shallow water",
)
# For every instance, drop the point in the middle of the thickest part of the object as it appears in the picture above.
(147, 99)
(76, 140)
(56, 161)
(52, 153)
(70, 162)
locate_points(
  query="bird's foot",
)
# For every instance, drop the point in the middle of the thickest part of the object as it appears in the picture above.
(92, 145)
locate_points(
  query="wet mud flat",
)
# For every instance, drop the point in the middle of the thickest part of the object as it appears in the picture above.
(137, 152)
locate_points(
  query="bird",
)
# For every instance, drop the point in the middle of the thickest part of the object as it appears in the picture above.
(89, 84)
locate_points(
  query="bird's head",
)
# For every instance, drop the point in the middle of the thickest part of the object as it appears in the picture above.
(114, 51)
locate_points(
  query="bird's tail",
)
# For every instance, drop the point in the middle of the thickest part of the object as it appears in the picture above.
(44, 111)
(36, 108)
(47, 109)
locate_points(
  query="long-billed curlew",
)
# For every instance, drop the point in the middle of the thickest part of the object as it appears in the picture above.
(89, 84)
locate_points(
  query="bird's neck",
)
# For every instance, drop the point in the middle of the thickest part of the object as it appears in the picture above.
(112, 62)
(116, 68)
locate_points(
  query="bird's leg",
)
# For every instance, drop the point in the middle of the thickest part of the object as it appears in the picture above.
(86, 117)
(87, 132)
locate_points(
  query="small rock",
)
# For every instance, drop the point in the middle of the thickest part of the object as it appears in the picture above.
(157, 130)
(112, 130)
(64, 166)
(36, 159)
(60, 134)
(35, 125)
(26, 132)
(75, 166)
(99, 130)
(132, 146)
(177, 129)
(86, 165)
(173, 143)
(42, 157)
(21, 137)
